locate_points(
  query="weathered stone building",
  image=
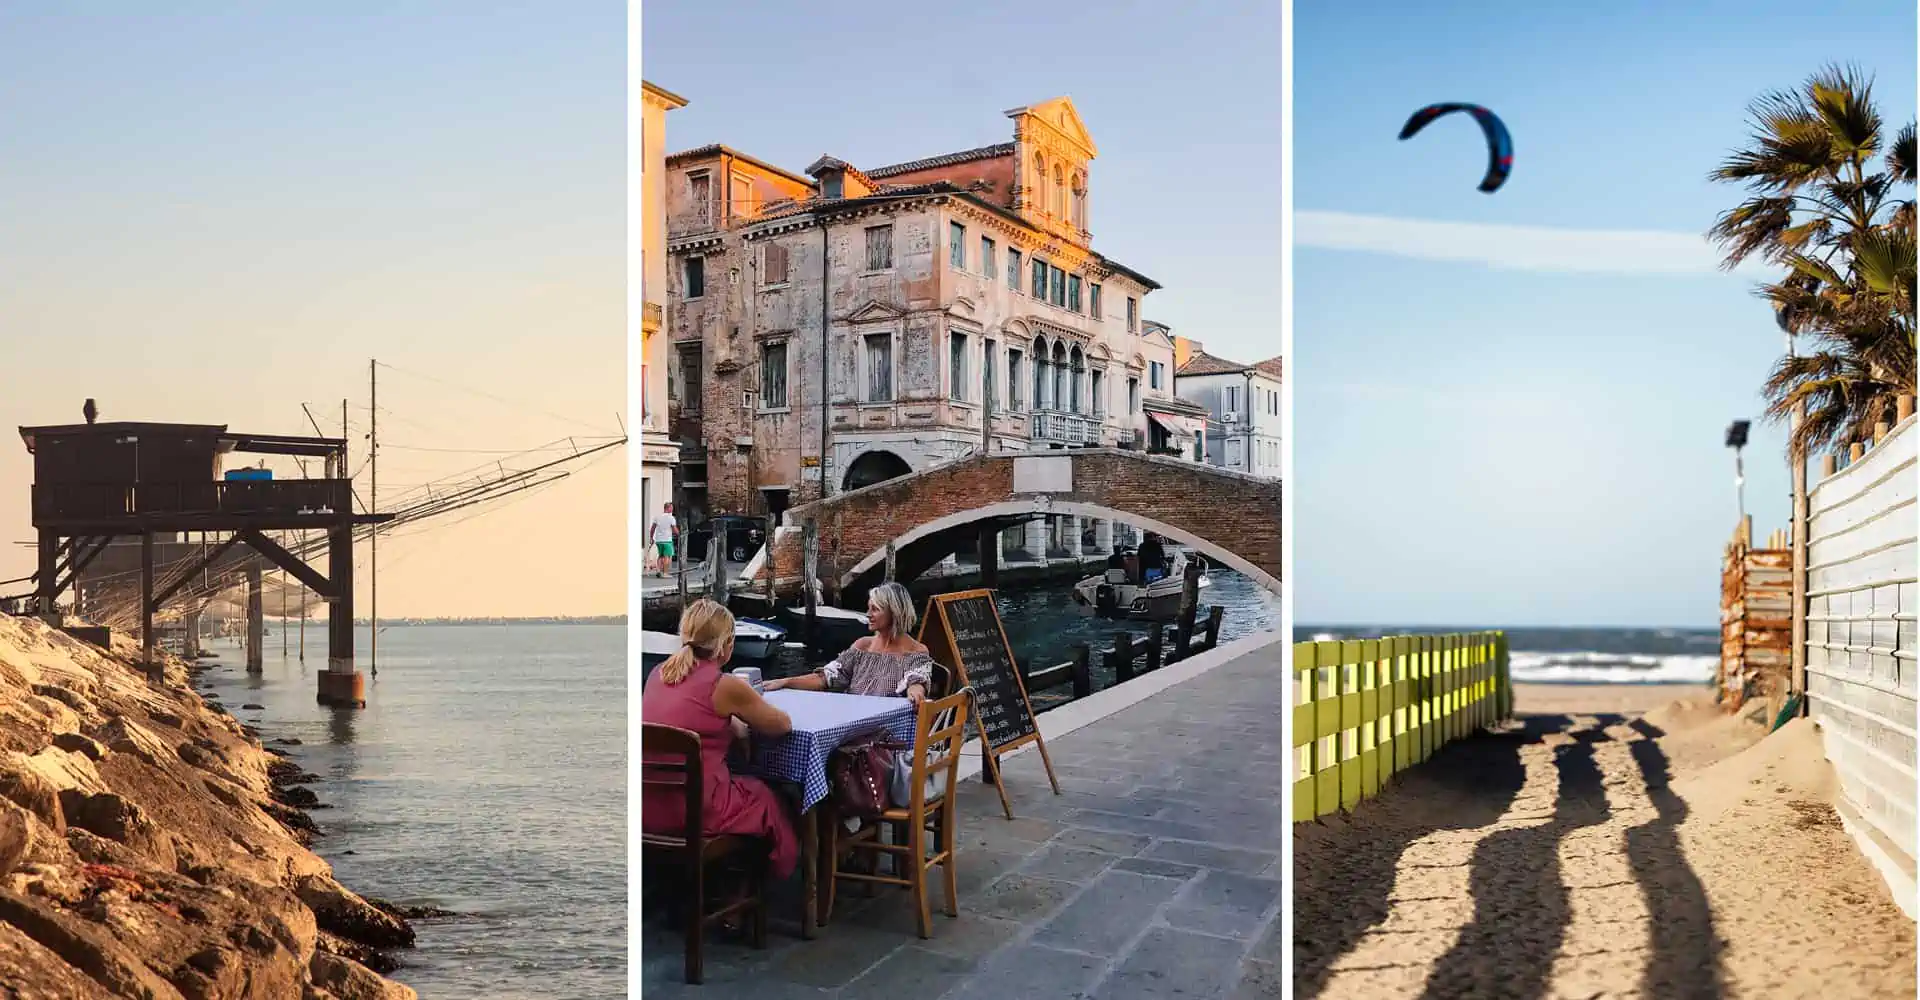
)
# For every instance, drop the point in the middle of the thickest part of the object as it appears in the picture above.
(1243, 404)
(962, 305)
(659, 455)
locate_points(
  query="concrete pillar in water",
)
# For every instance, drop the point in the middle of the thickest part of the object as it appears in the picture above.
(1103, 536)
(256, 622)
(1073, 524)
(989, 555)
(1036, 544)
(341, 685)
(190, 638)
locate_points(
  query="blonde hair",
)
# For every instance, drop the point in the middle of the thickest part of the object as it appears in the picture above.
(893, 598)
(706, 631)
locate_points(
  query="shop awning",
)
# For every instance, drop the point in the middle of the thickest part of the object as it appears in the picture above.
(1186, 428)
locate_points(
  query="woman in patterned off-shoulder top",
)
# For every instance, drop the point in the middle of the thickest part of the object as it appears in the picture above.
(890, 663)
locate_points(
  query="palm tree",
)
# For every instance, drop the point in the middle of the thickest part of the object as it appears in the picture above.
(1822, 203)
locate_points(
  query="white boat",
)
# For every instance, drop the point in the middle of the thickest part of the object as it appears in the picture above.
(754, 639)
(1113, 593)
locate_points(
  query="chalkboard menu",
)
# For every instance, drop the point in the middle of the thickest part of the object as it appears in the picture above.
(1000, 703)
(962, 631)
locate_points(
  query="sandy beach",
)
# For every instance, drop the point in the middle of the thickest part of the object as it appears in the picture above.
(1623, 841)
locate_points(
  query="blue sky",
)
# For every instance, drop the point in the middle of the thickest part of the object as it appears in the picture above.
(214, 217)
(1183, 102)
(1530, 432)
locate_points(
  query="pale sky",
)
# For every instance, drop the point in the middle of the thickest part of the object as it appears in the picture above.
(1510, 408)
(216, 218)
(1183, 101)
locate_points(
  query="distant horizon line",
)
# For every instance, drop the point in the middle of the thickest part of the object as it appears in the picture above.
(404, 620)
(1455, 628)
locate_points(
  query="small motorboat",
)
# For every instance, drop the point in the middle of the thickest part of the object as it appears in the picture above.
(756, 639)
(837, 628)
(655, 647)
(1114, 594)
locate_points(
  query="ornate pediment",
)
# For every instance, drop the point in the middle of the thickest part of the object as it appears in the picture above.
(1059, 120)
(962, 307)
(873, 311)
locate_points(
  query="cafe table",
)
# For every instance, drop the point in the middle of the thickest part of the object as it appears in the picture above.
(822, 722)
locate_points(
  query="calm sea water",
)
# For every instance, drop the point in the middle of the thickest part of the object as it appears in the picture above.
(1577, 655)
(487, 775)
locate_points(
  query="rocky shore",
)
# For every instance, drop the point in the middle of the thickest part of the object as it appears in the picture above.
(151, 847)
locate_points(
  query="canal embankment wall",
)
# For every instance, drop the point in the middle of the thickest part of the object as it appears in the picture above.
(151, 846)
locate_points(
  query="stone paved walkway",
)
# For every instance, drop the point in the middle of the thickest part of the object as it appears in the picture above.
(1155, 874)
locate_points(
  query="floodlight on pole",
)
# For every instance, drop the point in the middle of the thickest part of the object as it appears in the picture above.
(1737, 440)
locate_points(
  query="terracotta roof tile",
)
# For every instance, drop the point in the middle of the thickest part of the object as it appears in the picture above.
(943, 160)
(1202, 363)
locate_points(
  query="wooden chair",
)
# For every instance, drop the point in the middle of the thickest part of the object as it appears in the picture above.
(939, 731)
(693, 851)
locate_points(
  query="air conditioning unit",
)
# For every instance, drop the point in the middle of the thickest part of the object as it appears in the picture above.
(1231, 417)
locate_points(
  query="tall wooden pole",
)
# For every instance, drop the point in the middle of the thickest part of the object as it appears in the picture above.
(373, 505)
(810, 537)
(146, 606)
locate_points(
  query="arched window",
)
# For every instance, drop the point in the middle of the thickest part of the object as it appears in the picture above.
(1059, 191)
(1040, 181)
(1041, 382)
(1060, 373)
(1077, 368)
(1079, 202)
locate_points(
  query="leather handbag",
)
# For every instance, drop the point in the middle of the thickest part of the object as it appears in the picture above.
(862, 774)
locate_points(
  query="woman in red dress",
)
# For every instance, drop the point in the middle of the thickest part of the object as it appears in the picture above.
(691, 691)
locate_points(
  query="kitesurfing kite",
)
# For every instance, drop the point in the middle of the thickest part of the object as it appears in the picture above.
(1499, 144)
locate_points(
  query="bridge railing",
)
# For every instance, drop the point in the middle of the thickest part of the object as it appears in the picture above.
(1365, 709)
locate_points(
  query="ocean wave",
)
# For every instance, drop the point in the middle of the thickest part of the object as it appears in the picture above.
(1611, 668)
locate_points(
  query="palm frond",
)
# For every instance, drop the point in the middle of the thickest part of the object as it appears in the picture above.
(1883, 260)
(1902, 159)
(1843, 99)
(1751, 227)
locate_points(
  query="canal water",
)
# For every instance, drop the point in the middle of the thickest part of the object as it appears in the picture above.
(1044, 624)
(487, 775)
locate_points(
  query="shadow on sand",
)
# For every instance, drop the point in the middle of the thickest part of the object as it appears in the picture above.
(1344, 871)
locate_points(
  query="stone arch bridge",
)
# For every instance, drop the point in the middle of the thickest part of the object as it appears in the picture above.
(1231, 518)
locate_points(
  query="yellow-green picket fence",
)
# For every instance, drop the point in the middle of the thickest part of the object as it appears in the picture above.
(1364, 709)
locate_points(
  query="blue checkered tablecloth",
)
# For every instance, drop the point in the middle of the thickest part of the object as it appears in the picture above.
(822, 722)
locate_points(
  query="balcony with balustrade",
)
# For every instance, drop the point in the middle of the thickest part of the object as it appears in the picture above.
(1062, 427)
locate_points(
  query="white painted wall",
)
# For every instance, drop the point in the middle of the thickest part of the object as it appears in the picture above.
(1254, 435)
(1862, 679)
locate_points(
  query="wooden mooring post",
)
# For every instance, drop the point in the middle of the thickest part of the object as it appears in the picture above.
(1189, 607)
(1156, 646)
(680, 565)
(717, 570)
(1120, 658)
(810, 536)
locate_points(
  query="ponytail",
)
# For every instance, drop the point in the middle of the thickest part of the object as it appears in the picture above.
(706, 630)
